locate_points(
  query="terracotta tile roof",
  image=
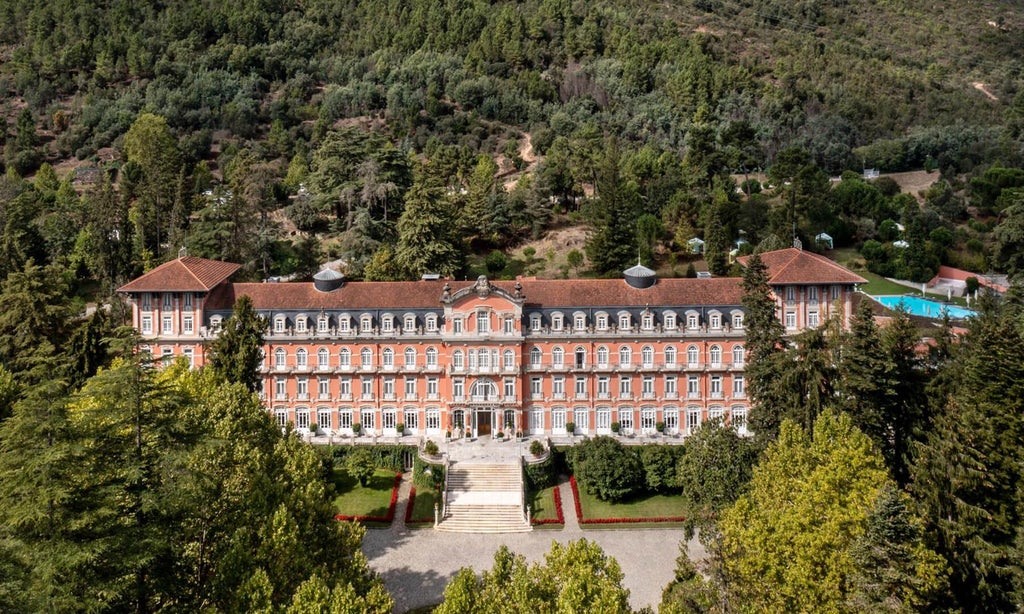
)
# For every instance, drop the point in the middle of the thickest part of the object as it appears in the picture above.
(186, 274)
(427, 294)
(795, 266)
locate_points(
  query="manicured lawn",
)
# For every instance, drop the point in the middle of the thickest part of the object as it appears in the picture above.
(355, 500)
(542, 504)
(647, 506)
(423, 506)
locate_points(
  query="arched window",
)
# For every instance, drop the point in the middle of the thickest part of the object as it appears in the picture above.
(410, 358)
(366, 358)
(458, 360)
(509, 358)
(715, 354)
(300, 324)
(345, 357)
(692, 356)
(301, 358)
(602, 356)
(624, 321)
(280, 358)
(557, 357)
(279, 324)
(647, 356)
(409, 325)
(535, 357)
(738, 355)
(431, 357)
(387, 323)
(625, 356)
(388, 358)
(323, 358)
(323, 324)
(670, 355)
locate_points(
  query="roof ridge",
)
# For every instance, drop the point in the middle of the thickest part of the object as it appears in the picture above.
(181, 259)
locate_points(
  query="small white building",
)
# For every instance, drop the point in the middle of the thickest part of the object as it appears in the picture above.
(823, 240)
(695, 245)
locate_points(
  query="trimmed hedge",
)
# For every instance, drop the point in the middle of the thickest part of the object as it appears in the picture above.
(419, 477)
(540, 475)
(387, 456)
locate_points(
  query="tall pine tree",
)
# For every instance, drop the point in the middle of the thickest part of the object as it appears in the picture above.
(237, 351)
(764, 347)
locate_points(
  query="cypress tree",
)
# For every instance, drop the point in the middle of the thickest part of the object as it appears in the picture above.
(237, 351)
(764, 350)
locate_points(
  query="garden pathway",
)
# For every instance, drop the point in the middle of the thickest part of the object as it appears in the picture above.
(416, 564)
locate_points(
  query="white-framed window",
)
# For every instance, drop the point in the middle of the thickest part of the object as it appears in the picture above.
(558, 419)
(692, 321)
(790, 293)
(459, 388)
(483, 322)
(738, 418)
(388, 418)
(190, 356)
(579, 322)
(603, 391)
(147, 325)
(558, 387)
(409, 324)
(626, 419)
(670, 320)
(301, 358)
(433, 419)
(692, 387)
(601, 321)
(365, 323)
(739, 386)
(302, 417)
(302, 387)
(715, 384)
(323, 418)
(187, 325)
(300, 324)
(558, 357)
(648, 418)
(603, 418)
(624, 321)
(647, 320)
(366, 358)
(715, 321)
(280, 388)
(281, 415)
(323, 388)
(625, 387)
(457, 326)
(535, 357)
(431, 387)
(431, 357)
(509, 360)
(344, 324)
(431, 323)
(367, 418)
(580, 357)
(790, 320)
(323, 324)
(647, 356)
(693, 419)
(508, 325)
(345, 387)
(345, 358)
(647, 387)
(280, 358)
(739, 355)
(366, 387)
(536, 421)
(625, 356)
(581, 416)
(409, 358)
(812, 319)
(388, 358)
(168, 324)
(410, 388)
(323, 358)
(411, 418)
(716, 412)
(671, 389)
(670, 356)
(812, 294)
(535, 322)
(581, 388)
(670, 416)
(715, 354)
(187, 301)
(388, 388)
(692, 356)
(737, 319)
(557, 321)
(345, 418)
(167, 301)
(602, 356)
(536, 388)
(509, 388)
(458, 360)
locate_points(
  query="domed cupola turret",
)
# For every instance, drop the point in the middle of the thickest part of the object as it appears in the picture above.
(328, 280)
(640, 277)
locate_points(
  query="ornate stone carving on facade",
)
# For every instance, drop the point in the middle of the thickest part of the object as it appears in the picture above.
(482, 287)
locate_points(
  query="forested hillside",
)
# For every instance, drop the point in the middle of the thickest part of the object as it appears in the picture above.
(284, 134)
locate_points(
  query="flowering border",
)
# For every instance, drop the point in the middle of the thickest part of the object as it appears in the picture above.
(409, 504)
(582, 520)
(560, 519)
(390, 516)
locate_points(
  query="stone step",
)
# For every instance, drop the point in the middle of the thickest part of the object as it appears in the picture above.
(485, 498)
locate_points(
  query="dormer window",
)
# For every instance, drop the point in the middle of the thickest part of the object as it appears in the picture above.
(692, 321)
(670, 320)
(215, 323)
(344, 324)
(366, 323)
(409, 325)
(579, 322)
(737, 319)
(557, 320)
(323, 324)
(431, 323)
(535, 322)
(715, 320)
(602, 321)
(648, 321)
(300, 324)
(279, 324)
(624, 321)
(387, 323)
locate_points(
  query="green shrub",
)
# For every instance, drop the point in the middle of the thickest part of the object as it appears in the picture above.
(541, 475)
(659, 463)
(536, 448)
(360, 465)
(606, 468)
(430, 448)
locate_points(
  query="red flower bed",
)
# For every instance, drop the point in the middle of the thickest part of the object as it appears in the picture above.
(391, 507)
(579, 512)
(408, 506)
(558, 511)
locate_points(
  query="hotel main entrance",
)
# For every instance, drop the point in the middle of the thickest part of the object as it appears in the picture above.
(484, 417)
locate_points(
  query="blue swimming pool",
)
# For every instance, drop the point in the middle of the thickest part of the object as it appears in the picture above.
(917, 306)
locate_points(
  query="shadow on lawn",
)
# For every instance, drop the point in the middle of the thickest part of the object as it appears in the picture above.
(378, 488)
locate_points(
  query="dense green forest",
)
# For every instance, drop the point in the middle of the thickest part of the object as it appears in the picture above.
(404, 137)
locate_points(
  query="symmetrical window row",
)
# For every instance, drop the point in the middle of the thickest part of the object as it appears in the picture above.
(648, 320)
(349, 324)
(624, 357)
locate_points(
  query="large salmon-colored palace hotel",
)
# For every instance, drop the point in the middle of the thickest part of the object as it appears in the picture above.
(525, 356)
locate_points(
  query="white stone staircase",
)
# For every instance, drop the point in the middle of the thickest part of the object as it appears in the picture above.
(485, 498)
